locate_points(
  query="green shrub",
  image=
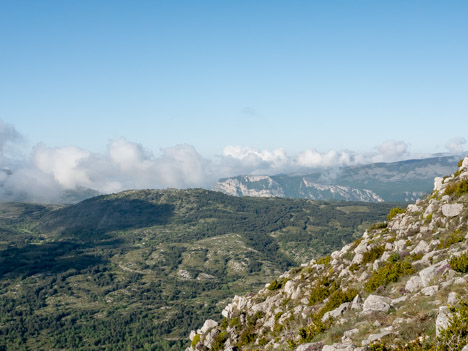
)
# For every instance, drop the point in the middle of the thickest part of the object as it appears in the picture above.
(322, 288)
(277, 284)
(459, 164)
(452, 239)
(324, 260)
(389, 273)
(246, 337)
(459, 263)
(219, 341)
(428, 218)
(455, 337)
(336, 299)
(394, 257)
(195, 340)
(459, 188)
(311, 331)
(354, 267)
(374, 253)
(380, 225)
(394, 211)
(235, 322)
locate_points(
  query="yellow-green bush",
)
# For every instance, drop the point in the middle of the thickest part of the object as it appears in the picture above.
(324, 260)
(323, 287)
(459, 188)
(336, 299)
(195, 340)
(389, 273)
(374, 253)
(452, 239)
(394, 211)
(459, 263)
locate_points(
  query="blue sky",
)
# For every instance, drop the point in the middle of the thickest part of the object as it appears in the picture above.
(326, 76)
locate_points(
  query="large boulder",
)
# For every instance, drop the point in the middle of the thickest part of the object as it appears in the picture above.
(452, 210)
(414, 284)
(443, 319)
(427, 274)
(422, 247)
(315, 346)
(376, 303)
(208, 325)
(337, 312)
(339, 347)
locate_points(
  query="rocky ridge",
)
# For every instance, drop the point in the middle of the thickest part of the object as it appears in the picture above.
(266, 186)
(403, 285)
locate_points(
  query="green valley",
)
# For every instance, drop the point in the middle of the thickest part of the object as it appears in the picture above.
(140, 269)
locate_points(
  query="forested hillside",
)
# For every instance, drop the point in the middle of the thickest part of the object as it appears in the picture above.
(139, 269)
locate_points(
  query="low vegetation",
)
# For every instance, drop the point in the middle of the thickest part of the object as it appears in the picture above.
(143, 268)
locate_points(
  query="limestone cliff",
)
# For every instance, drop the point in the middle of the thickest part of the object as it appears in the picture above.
(402, 286)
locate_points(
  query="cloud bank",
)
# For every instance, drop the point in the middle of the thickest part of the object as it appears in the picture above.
(47, 172)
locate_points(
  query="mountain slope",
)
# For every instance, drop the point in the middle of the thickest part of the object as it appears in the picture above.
(398, 181)
(139, 269)
(402, 286)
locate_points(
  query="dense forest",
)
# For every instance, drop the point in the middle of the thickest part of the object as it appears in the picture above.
(140, 269)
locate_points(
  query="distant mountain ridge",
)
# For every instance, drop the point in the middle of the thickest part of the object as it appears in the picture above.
(394, 182)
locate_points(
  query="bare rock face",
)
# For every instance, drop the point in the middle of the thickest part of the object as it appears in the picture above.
(414, 284)
(310, 347)
(422, 247)
(376, 303)
(356, 305)
(339, 347)
(443, 319)
(427, 274)
(209, 324)
(337, 312)
(430, 290)
(452, 210)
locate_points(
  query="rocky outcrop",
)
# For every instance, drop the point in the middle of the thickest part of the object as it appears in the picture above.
(394, 285)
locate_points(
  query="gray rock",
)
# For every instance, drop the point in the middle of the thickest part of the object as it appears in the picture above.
(350, 333)
(430, 209)
(337, 312)
(376, 303)
(399, 300)
(356, 305)
(361, 248)
(427, 274)
(339, 347)
(452, 298)
(465, 348)
(375, 337)
(209, 324)
(430, 290)
(452, 210)
(414, 284)
(363, 277)
(357, 259)
(443, 319)
(422, 247)
(400, 245)
(438, 183)
(315, 346)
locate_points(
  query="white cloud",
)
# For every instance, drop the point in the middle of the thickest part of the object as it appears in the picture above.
(63, 164)
(128, 165)
(456, 145)
(390, 151)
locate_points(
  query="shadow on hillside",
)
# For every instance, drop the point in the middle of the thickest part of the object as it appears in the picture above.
(99, 216)
(53, 258)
